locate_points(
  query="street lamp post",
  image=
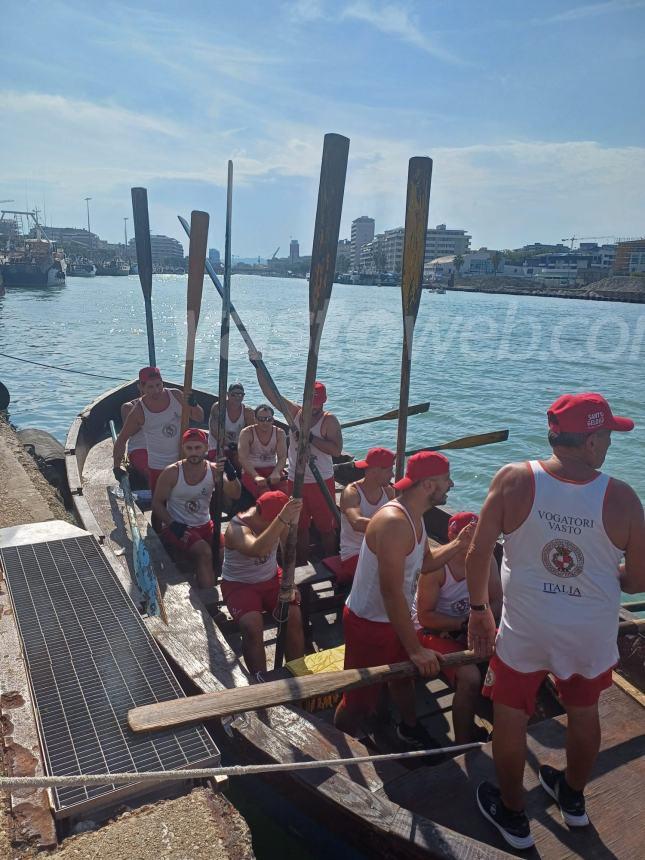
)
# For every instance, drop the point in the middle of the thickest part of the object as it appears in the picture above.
(89, 232)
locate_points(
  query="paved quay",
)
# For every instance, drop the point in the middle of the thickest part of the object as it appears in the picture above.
(201, 824)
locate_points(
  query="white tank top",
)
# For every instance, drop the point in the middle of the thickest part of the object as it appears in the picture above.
(245, 568)
(231, 431)
(161, 430)
(560, 582)
(453, 598)
(365, 598)
(351, 540)
(262, 455)
(190, 503)
(324, 462)
(137, 442)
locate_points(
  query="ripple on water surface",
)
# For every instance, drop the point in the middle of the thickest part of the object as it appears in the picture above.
(484, 362)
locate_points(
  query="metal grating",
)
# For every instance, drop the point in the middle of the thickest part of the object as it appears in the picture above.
(90, 659)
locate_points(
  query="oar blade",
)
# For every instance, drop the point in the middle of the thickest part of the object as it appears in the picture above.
(418, 409)
(475, 441)
(414, 244)
(196, 258)
(146, 578)
(142, 239)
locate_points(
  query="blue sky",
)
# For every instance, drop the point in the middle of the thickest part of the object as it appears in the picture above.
(532, 111)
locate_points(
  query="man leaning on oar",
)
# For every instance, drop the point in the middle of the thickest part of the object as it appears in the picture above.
(377, 617)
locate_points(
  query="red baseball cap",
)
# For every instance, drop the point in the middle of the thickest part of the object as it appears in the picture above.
(380, 458)
(320, 394)
(425, 464)
(270, 504)
(458, 522)
(584, 413)
(195, 433)
(148, 373)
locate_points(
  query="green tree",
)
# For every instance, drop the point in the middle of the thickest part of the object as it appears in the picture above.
(458, 263)
(496, 259)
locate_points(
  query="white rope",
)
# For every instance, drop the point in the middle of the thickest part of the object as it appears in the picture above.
(7, 782)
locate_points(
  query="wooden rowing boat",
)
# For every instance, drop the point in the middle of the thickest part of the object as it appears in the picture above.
(385, 809)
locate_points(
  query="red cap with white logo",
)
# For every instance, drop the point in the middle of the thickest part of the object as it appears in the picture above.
(584, 413)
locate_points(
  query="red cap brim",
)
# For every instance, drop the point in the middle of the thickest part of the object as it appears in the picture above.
(403, 484)
(361, 464)
(620, 424)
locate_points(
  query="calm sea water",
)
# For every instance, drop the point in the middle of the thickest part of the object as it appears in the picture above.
(484, 362)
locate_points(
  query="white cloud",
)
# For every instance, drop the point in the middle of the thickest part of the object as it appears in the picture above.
(305, 10)
(395, 20)
(506, 193)
(592, 10)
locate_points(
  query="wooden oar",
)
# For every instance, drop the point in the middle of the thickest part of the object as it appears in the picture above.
(143, 570)
(223, 368)
(465, 442)
(196, 257)
(144, 261)
(323, 264)
(387, 416)
(261, 366)
(162, 715)
(414, 244)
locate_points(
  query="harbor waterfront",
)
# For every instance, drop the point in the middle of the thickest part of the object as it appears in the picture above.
(485, 362)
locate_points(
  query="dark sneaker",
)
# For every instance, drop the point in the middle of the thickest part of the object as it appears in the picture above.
(571, 803)
(417, 738)
(514, 826)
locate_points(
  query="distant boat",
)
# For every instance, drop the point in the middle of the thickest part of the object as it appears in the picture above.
(84, 269)
(116, 267)
(26, 260)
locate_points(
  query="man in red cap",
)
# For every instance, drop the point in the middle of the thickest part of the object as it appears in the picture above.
(262, 451)
(440, 613)
(325, 443)
(181, 501)
(566, 527)
(158, 415)
(251, 576)
(358, 504)
(377, 620)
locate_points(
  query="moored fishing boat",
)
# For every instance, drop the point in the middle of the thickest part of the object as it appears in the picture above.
(385, 809)
(30, 259)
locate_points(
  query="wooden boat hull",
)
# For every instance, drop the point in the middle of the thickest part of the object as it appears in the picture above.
(383, 810)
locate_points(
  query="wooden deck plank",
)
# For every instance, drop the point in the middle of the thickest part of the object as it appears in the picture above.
(614, 796)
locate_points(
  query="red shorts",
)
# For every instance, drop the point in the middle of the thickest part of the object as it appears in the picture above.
(314, 507)
(519, 689)
(139, 460)
(153, 477)
(368, 643)
(442, 645)
(191, 536)
(265, 471)
(347, 569)
(243, 597)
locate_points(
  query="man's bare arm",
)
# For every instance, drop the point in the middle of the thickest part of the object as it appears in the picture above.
(331, 442)
(133, 423)
(195, 413)
(350, 505)
(632, 571)
(437, 556)
(167, 481)
(428, 591)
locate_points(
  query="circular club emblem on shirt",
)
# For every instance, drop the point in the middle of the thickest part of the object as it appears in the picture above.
(563, 558)
(461, 607)
(169, 430)
(489, 680)
(192, 506)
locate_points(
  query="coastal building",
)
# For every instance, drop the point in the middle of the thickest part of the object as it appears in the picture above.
(630, 257)
(70, 236)
(162, 248)
(294, 251)
(214, 256)
(362, 233)
(440, 268)
(442, 240)
(343, 254)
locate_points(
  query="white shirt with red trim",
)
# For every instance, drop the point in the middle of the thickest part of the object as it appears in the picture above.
(560, 582)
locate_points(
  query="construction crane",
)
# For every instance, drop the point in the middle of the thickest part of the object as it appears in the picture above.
(274, 254)
(573, 239)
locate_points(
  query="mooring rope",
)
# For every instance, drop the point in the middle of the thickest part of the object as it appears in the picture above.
(63, 369)
(7, 782)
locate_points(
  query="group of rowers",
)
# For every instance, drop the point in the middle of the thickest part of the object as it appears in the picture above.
(573, 539)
